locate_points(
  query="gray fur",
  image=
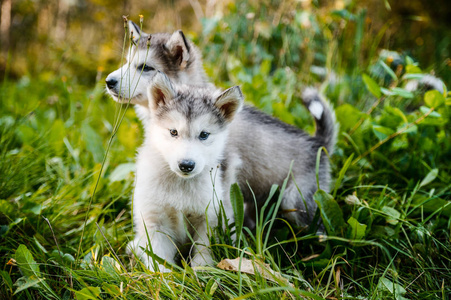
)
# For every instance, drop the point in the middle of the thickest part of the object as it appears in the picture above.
(266, 147)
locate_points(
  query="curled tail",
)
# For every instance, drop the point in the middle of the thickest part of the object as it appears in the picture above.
(324, 115)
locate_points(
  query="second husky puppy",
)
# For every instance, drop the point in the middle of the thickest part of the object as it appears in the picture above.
(173, 54)
(178, 182)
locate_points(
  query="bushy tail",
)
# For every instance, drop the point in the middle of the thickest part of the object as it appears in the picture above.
(324, 115)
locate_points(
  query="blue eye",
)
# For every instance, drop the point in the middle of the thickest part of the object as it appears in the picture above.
(145, 68)
(173, 132)
(203, 135)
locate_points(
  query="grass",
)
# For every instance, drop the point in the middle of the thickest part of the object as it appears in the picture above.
(66, 180)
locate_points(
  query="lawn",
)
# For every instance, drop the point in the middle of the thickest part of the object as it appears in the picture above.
(68, 151)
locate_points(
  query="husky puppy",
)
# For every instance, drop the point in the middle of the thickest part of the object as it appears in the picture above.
(178, 182)
(174, 55)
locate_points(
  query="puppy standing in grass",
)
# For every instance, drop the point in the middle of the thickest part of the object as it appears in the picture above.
(178, 182)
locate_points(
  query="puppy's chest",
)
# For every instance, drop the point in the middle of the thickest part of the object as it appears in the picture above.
(190, 197)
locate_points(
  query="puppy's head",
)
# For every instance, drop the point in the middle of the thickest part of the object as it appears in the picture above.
(172, 54)
(188, 124)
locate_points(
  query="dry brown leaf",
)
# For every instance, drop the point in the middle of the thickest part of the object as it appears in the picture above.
(251, 267)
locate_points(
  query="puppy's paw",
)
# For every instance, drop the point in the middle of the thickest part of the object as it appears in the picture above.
(202, 258)
(135, 249)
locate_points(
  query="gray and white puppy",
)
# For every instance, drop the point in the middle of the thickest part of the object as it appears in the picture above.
(178, 183)
(172, 54)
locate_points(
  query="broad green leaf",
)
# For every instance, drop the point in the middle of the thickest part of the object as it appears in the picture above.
(429, 177)
(7, 208)
(56, 136)
(401, 142)
(110, 265)
(121, 172)
(382, 231)
(410, 61)
(330, 212)
(402, 93)
(26, 282)
(93, 142)
(433, 98)
(348, 116)
(382, 132)
(372, 86)
(39, 244)
(237, 200)
(392, 215)
(357, 229)
(88, 293)
(388, 70)
(3, 230)
(60, 255)
(396, 111)
(387, 5)
(212, 285)
(387, 92)
(111, 289)
(426, 110)
(6, 279)
(411, 129)
(30, 268)
(342, 173)
(413, 76)
(411, 69)
(26, 262)
(432, 207)
(35, 209)
(391, 287)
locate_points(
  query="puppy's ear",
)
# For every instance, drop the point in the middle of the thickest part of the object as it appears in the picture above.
(179, 47)
(230, 102)
(135, 32)
(160, 91)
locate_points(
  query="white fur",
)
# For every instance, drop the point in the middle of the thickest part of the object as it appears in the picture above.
(133, 83)
(316, 109)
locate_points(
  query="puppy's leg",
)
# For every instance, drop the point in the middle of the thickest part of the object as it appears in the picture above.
(164, 229)
(201, 248)
(162, 245)
(298, 207)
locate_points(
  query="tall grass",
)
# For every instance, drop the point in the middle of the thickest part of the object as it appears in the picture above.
(66, 176)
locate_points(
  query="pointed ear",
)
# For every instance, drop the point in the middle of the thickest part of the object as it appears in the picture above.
(179, 47)
(135, 31)
(160, 91)
(230, 102)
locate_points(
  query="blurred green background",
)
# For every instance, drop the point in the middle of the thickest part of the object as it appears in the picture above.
(82, 39)
(67, 151)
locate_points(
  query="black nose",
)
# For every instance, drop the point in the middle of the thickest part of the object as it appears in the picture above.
(111, 83)
(186, 166)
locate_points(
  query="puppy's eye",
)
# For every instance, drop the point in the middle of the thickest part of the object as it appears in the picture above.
(204, 135)
(145, 68)
(173, 132)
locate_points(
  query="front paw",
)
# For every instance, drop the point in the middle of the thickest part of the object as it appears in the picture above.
(202, 258)
(135, 249)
